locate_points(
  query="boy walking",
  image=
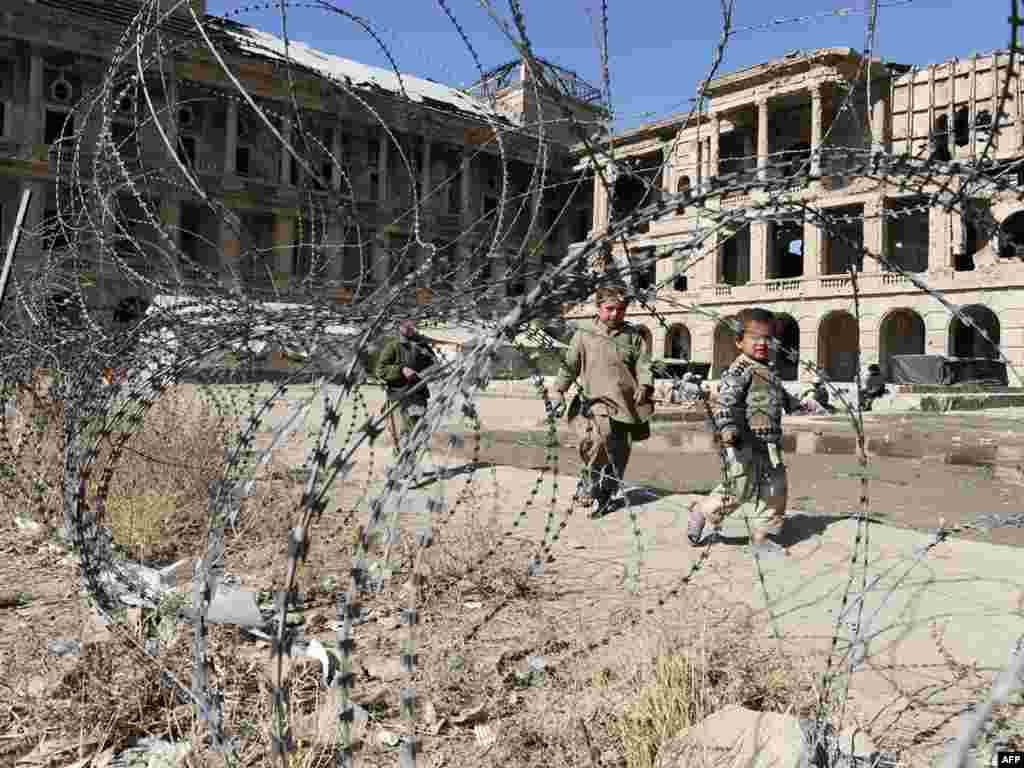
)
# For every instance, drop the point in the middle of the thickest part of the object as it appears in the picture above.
(751, 401)
(613, 365)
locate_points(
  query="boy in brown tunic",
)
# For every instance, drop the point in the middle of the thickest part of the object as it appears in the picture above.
(613, 365)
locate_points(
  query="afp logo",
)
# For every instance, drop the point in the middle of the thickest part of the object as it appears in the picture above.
(1015, 759)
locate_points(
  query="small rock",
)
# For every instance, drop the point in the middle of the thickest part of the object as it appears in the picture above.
(385, 670)
(62, 648)
(475, 715)
(388, 739)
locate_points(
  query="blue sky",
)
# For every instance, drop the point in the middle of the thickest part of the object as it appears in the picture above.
(659, 49)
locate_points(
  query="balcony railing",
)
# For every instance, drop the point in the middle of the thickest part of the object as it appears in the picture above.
(785, 286)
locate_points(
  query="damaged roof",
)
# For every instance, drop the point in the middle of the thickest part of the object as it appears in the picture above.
(252, 41)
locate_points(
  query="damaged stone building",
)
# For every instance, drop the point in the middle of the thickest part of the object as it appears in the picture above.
(334, 219)
(809, 111)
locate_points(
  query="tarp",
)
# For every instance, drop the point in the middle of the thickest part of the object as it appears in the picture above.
(936, 369)
(919, 369)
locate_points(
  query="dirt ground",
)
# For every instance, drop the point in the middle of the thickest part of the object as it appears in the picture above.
(922, 468)
(483, 620)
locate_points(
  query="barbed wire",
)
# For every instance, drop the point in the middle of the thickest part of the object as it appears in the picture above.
(124, 177)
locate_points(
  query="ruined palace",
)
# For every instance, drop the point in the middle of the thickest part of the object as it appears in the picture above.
(333, 217)
(814, 118)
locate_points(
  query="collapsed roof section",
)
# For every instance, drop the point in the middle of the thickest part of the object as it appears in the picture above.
(254, 42)
(241, 39)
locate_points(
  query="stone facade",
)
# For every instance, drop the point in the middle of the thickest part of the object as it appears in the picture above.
(334, 216)
(829, 111)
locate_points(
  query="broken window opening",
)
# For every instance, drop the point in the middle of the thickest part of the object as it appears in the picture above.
(646, 269)
(735, 150)
(940, 140)
(844, 241)
(962, 127)
(188, 150)
(786, 259)
(1012, 231)
(60, 126)
(965, 341)
(678, 342)
(190, 221)
(907, 233)
(734, 257)
(787, 353)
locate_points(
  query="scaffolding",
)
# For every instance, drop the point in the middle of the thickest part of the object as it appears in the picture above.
(511, 74)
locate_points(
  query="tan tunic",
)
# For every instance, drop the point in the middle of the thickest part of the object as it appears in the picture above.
(610, 366)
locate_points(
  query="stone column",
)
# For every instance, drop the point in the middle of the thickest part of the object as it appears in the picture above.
(381, 262)
(666, 171)
(874, 233)
(465, 180)
(34, 123)
(814, 249)
(940, 244)
(283, 246)
(817, 130)
(335, 250)
(425, 171)
(230, 246)
(231, 138)
(337, 149)
(170, 220)
(286, 157)
(716, 130)
(760, 242)
(383, 148)
(880, 121)
(599, 219)
(762, 139)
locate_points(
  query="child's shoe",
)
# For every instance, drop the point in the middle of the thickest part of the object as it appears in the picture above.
(695, 524)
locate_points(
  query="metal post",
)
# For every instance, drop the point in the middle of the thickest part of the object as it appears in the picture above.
(12, 245)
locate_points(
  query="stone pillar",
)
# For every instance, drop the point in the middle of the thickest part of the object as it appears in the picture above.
(381, 262)
(465, 180)
(880, 121)
(759, 245)
(170, 220)
(667, 186)
(940, 244)
(230, 245)
(762, 139)
(383, 148)
(814, 249)
(231, 138)
(338, 150)
(283, 245)
(170, 116)
(874, 233)
(716, 130)
(335, 250)
(34, 119)
(817, 130)
(286, 157)
(599, 221)
(425, 171)
(464, 254)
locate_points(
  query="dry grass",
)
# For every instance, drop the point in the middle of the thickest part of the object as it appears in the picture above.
(481, 619)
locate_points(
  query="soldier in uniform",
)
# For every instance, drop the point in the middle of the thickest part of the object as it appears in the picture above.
(613, 365)
(751, 401)
(399, 365)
